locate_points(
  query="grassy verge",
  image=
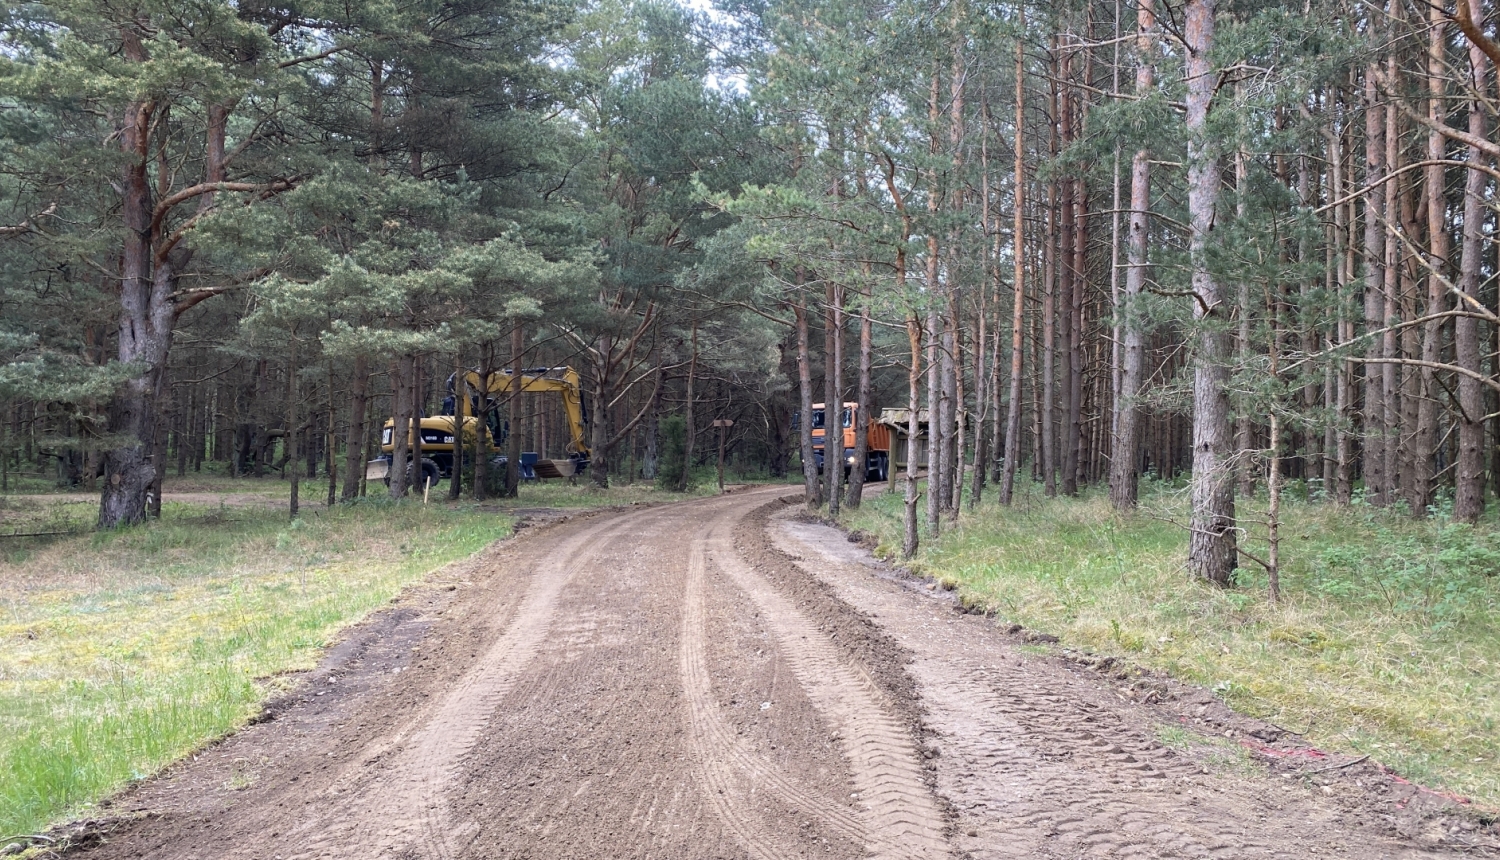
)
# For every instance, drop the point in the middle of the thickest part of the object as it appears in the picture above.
(1387, 643)
(122, 652)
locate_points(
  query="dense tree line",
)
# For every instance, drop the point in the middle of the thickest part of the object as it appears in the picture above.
(1080, 243)
(1241, 241)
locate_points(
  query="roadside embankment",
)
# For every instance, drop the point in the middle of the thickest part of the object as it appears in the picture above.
(1386, 643)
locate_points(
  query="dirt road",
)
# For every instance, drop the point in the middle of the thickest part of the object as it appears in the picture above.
(717, 679)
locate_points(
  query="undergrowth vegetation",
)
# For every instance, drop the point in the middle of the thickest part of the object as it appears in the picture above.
(120, 652)
(1387, 641)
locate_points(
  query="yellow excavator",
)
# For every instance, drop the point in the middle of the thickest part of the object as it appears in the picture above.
(459, 426)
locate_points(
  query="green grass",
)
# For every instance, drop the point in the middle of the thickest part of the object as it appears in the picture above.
(122, 652)
(1387, 641)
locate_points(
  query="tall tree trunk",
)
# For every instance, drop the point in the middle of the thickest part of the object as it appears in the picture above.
(957, 398)
(289, 439)
(910, 537)
(1244, 433)
(953, 371)
(401, 372)
(182, 429)
(1435, 186)
(1075, 453)
(354, 438)
(599, 453)
(1049, 344)
(989, 284)
(1124, 483)
(1067, 455)
(330, 444)
(1376, 480)
(418, 480)
(812, 489)
(1343, 483)
(691, 414)
(937, 430)
(513, 413)
(482, 436)
(456, 480)
(145, 328)
(1018, 275)
(996, 450)
(1117, 333)
(934, 408)
(1468, 501)
(1390, 386)
(862, 414)
(1212, 551)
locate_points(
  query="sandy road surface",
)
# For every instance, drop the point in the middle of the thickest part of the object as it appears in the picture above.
(712, 679)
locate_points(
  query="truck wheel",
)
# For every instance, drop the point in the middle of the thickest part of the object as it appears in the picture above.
(882, 468)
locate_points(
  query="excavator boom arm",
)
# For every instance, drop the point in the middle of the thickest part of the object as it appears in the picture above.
(562, 380)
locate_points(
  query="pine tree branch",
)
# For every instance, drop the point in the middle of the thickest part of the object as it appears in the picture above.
(28, 225)
(1463, 16)
(171, 201)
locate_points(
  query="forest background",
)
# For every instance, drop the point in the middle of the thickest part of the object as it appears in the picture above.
(1231, 262)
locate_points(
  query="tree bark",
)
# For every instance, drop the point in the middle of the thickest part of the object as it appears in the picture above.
(934, 403)
(145, 327)
(1075, 472)
(354, 437)
(811, 488)
(1018, 297)
(1468, 501)
(1124, 484)
(863, 413)
(401, 371)
(1434, 186)
(1212, 550)
(911, 539)
(289, 438)
(691, 415)
(1390, 384)
(330, 444)
(937, 430)
(513, 413)
(456, 480)
(417, 481)
(1244, 432)
(833, 406)
(1374, 457)
(1049, 344)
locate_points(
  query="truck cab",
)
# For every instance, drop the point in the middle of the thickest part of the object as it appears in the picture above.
(878, 442)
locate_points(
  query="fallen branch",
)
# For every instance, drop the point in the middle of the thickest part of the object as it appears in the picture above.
(1342, 766)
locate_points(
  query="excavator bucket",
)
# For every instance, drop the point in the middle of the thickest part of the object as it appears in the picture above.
(556, 468)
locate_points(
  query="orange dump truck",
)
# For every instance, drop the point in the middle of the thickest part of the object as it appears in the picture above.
(878, 446)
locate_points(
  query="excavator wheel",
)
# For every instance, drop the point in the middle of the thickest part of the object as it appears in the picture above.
(430, 475)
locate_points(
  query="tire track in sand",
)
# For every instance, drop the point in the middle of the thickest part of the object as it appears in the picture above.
(1041, 763)
(405, 803)
(899, 819)
(728, 771)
